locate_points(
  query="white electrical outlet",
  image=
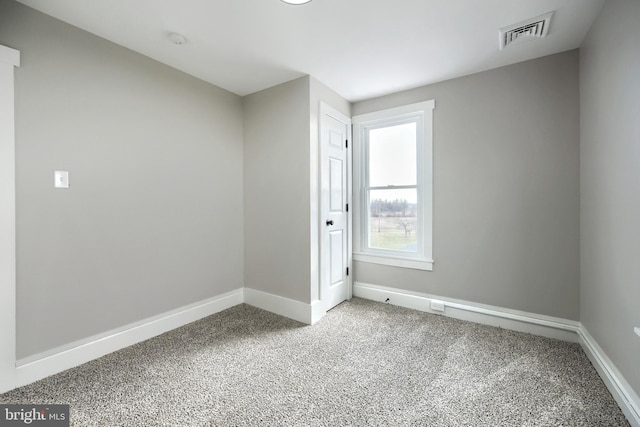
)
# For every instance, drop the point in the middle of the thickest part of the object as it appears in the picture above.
(637, 330)
(437, 305)
(61, 179)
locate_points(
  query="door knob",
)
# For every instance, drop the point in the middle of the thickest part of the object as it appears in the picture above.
(329, 222)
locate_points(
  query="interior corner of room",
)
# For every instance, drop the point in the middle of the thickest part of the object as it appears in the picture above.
(173, 213)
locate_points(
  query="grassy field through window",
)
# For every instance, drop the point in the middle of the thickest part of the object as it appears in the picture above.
(393, 233)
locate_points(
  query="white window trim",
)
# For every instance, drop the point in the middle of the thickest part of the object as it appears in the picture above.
(424, 259)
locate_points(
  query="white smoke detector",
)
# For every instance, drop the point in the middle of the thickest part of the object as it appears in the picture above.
(177, 38)
(531, 29)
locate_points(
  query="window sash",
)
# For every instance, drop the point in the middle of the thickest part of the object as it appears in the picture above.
(364, 217)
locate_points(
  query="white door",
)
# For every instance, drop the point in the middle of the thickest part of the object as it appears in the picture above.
(335, 218)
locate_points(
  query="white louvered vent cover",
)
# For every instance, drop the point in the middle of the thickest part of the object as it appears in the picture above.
(530, 29)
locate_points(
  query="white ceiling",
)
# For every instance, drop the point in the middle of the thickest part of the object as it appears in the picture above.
(359, 48)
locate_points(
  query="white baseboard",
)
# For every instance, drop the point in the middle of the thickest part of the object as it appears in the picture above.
(59, 359)
(620, 389)
(296, 310)
(548, 326)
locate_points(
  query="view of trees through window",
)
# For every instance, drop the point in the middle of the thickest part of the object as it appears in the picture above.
(392, 224)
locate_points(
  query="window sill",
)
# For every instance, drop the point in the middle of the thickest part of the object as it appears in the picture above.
(395, 262)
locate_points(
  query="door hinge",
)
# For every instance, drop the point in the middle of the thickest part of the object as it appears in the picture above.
(346, 143)
(347, 207)
(347, 271)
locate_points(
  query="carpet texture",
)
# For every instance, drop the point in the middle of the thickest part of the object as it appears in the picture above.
(365, 363)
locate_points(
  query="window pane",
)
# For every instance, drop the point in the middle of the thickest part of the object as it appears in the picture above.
(392, 155)
(393, 220)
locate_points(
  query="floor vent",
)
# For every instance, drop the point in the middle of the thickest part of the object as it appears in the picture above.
(531, 29)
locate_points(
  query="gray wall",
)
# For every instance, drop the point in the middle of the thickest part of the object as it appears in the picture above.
(276, 190)
(610, 184)
(153, 218)
(506, 188)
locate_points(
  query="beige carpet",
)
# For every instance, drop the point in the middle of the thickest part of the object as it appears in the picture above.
(365, 363)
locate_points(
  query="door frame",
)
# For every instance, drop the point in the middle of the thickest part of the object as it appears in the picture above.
(9, 59)
(327, 110)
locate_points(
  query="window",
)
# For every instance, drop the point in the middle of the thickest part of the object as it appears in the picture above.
(393, 174)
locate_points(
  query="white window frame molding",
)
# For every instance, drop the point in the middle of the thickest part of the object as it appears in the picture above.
(422, 114)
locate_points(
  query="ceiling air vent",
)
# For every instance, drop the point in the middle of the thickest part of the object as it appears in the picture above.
(530, 29)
